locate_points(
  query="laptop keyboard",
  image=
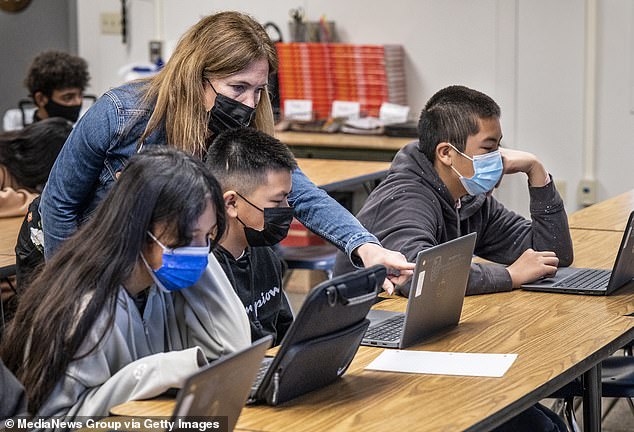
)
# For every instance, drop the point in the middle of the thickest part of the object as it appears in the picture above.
(389, 330)
(590, 279)
(264, 368)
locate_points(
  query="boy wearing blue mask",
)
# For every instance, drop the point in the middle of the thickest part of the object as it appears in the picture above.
(440, 188)
(254, 170)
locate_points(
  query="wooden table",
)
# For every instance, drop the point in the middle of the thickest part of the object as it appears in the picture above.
(557, 337)
(343, 146)
(9, 229)
(608, 215)
(332, 175)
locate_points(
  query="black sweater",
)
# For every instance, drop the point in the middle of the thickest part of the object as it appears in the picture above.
(257, 279)
(412, 210)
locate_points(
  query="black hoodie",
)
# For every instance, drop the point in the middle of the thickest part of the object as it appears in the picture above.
(412, 210)
(257, 279)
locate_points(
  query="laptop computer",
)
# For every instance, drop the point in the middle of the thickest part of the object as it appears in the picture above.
(220, 389)
(593, 281)
(435, 298)
(323, 339)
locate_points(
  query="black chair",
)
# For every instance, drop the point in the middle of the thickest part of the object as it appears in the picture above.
(617, 381)
(309, 258)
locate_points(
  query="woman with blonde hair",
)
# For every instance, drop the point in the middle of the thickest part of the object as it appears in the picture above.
(215, 80)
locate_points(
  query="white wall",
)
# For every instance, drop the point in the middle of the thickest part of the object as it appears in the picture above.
(526, 54)
(55, 22)
(615, 98)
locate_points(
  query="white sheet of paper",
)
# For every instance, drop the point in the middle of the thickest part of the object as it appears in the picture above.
(443, 363)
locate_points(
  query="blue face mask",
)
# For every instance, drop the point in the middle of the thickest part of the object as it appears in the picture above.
(487, 172)
(181, 268)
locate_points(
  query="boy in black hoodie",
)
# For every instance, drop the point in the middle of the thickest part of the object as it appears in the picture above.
(440, 188)
(254, 170)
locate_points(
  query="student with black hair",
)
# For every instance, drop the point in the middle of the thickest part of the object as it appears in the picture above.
(255, 187)
(440, 188)
(26, 159)
(56, 81)
(133, 303)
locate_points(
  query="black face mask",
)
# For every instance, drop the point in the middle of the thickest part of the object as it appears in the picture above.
(69, 112)
(228, 114)
(277, 221)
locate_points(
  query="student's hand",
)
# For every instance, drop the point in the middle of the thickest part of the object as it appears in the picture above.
(520, 161)
(399, 270)
(532, 265)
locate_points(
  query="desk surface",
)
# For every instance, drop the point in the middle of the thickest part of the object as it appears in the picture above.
(341, 140)
(9, 229)
(332, 174)
(557, 337)
(609, 215)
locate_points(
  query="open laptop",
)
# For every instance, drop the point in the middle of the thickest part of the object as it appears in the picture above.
(435, 299)
(221, 388)
(594, 281)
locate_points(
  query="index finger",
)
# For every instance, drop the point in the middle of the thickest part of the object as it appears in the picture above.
(401, 279)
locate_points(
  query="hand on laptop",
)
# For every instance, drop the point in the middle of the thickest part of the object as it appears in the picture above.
(532, 265)
(373, 254)
(520, 161)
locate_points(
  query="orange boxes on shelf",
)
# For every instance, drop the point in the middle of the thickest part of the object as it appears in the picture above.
(324, 72)
(299, 235)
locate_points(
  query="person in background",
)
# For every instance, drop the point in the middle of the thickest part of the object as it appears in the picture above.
(26, 159)
(56, 82)
(131, 305)
(255, 186)
(439, 188)
(215, 80)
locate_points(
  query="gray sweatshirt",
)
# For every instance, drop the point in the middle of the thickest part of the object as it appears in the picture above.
(412, 210)
(142, 356)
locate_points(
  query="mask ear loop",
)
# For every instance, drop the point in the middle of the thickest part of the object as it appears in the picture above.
(211, 85)
(157, 240)
(461, 153)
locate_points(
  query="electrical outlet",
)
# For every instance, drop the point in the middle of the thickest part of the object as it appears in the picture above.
(156, 51)
(561, 188)
(110, 23)
(587, 193)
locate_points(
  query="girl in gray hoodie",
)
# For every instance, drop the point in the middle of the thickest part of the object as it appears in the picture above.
(133, 303)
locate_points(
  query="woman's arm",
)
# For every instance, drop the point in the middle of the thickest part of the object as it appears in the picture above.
(75, 174)
(327, 218)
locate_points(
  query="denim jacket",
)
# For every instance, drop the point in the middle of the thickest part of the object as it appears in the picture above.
(108, 134)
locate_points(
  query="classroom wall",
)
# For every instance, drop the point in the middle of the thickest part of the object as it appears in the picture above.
(43, 25)
(615, 98)
(526, 54)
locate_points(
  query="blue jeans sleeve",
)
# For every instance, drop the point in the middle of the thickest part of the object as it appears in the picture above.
(75, 174)
(326, 217)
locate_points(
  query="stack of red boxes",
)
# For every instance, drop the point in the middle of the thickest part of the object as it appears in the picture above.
(368, 74)
(298, 235)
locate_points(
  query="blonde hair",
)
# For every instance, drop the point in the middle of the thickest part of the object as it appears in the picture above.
(217, 46)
